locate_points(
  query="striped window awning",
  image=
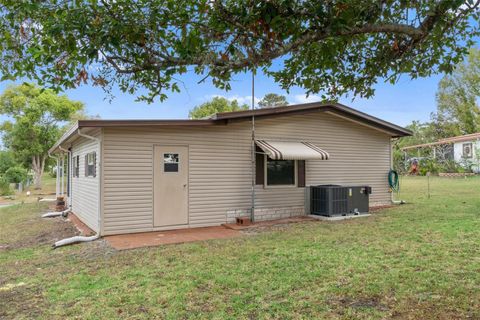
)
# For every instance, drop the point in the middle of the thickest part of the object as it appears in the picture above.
(291, 150)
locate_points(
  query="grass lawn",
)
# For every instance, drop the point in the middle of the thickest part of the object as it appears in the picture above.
(47, 191)
(416, 261)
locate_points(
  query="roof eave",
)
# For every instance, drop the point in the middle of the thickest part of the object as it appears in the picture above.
(147, 123)
(395, 131)
(223, 118)
(69, 133)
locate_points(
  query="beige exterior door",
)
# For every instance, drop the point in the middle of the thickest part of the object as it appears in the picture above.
(170, 203)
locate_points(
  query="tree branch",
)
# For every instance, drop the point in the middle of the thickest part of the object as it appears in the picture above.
(264, 56)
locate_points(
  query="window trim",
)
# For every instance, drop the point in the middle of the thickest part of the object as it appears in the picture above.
(276, 186)
(76, 166)
(177, 163)
(93, 154)
(470, 144)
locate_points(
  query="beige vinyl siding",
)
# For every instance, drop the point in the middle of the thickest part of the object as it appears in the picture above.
(85, 191)
(220, 166)
(358, 155)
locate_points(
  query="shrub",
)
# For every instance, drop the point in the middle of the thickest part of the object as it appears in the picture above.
(434, 166)
(52, 171)
(450, 166)
(429, 165)
(466, 165)
(16, 174)
(5, 189)
(6, 161)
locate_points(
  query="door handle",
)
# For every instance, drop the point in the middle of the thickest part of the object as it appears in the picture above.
(184, 185)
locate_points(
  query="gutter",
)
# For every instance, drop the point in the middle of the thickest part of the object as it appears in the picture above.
(56, 178)
(99, 175)
(64, 137)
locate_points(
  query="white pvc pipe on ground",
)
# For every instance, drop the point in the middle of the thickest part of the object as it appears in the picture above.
(73, 240)
(55, 214)
(51, 214)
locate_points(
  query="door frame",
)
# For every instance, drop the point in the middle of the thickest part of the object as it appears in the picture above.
(173, 226)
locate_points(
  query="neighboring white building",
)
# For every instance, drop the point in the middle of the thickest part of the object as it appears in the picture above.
(466, 149)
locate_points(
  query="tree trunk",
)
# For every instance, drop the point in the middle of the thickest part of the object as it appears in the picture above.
(38, 165)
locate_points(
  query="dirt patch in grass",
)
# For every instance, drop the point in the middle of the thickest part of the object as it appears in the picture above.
(94, 250)
(23, 300)
(55, 230)
(430, 310)
(258, 229)
(262, 229)
(361, 303)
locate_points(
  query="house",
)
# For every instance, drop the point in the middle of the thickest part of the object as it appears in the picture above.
(129, 176)
(464, 150)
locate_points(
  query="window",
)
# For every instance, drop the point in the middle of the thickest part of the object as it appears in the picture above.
(90, 164)
(467, 150)
(275, 176)
(170, 162)
(280, 172)
(76, 166)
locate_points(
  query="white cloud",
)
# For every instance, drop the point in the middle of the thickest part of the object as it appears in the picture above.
(302, 98)
(240, 99)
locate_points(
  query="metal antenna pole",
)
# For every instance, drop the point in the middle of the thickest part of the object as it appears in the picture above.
(252, 212)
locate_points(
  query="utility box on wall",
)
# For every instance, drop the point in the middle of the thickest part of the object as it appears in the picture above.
(334, 200)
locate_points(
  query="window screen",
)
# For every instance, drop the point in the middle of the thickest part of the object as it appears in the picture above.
(170, 162)
(280, 172)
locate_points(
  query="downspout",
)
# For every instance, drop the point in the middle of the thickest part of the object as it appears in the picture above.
(74, 239)
(99, 175)
(69, 180)
(56, 178)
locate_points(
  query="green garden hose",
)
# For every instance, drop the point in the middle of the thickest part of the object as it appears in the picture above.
(393, 180)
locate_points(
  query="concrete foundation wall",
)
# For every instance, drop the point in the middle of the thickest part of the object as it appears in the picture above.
(263, 214)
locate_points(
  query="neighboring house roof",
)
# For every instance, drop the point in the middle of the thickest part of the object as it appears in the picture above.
(224, 118)
(467, 137)
(463, 138)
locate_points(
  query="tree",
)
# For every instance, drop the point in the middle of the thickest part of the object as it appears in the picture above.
(272, 100)
(16, 174)
(457, 97)
(336, 46)
(7, 161)
(217, 104)
(457, 113)
(422, 133)
(37, 116)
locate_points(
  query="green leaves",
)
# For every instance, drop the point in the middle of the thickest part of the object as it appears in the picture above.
(333, 47)
(458, 94)
(37, 116)
(216, 105)
(271, 100)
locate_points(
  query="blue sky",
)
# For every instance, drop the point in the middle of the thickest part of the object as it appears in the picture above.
(400, 103)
